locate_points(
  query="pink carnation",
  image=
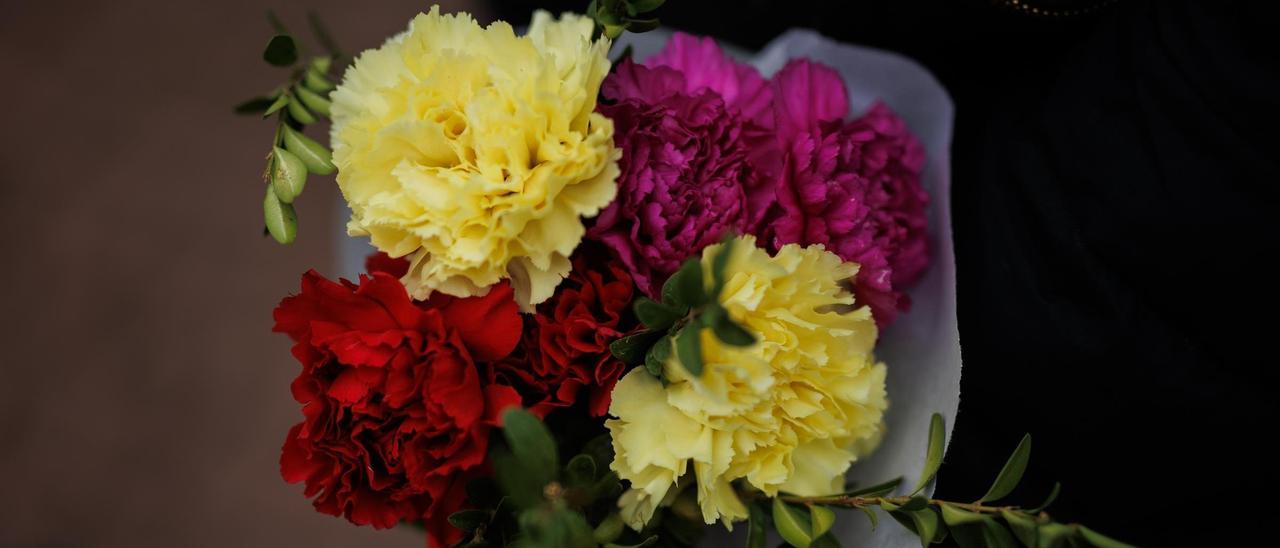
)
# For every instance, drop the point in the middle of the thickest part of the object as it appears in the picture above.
(710, 147)
(685, 134)
(851, 186)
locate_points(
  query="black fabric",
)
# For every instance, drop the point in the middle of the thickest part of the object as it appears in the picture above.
(1114, 192)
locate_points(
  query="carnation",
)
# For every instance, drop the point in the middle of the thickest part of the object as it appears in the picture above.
(476, 153)
(790, 413)
(853, 186)
(397, 416)
(686, 123)
(564, 356)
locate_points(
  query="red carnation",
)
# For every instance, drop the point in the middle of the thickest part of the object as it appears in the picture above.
(397, 416)
(566, 347)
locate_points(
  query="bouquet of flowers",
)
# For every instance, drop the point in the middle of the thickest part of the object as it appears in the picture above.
(613, 302)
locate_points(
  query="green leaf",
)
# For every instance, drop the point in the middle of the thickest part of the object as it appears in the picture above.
(822, 519)
(281, 220)
(631, 349)
(315, 79)
(731, 333)
(685, 287)
(719, 263)
(656, 315)
(255, 105)
(915, 503)
(522, 488)
(580, 471)
(288, 175)
(689, 348)
(281, 51)
(300, 113)
(756, 526)
(1101, 541)
(924, 523)
(871, 515)
(879, 490)
(564, 527)
(791, 525)
(312, 100)
(317, 158)
(656, 358)
(641, 25)
(1054, 534)
(608, 486)
(996, 536)
(953, 516)
(281, 101)
(1022, 525)
(609, 529)
(644, 6)
(1011, 474)
(1053, 495)
(969, 536)
(470, 520)
(933, 456)
(531, 443)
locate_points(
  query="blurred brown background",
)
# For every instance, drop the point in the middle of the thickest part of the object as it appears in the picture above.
(144, 399)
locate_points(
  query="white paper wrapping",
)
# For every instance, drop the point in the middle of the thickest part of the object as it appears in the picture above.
(922, 350)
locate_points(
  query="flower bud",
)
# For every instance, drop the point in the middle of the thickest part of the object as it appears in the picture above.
(314, 155)
(312, 100)
(609, 530)
(288, 175)
(316, 81)
(300, 113)
(280, 218)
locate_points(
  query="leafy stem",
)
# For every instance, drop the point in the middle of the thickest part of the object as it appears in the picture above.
(302, 100)
(676, 320)
(803, 521)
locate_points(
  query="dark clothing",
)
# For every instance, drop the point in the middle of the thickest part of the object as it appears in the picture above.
(1114, 199)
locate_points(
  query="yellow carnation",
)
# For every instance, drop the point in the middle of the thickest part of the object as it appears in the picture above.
(790, 413)
(476, 152)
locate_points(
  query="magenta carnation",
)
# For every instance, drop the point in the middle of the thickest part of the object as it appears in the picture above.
(710, 147)
(684, 126)
(851, 186)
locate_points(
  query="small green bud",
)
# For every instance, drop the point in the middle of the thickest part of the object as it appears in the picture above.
(300, 113)
(281, 220)
(609, 530)
(314, 155)
(288, 175)
(312, 100)
(321, 64)
(316, 81)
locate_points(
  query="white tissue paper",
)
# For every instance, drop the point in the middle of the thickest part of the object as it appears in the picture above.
(921, 349)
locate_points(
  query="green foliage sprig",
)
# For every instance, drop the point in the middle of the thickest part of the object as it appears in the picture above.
(613, 17)
(535, 500)
(538, 500)
(302, 100)
(675, 322)
(804, 522)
